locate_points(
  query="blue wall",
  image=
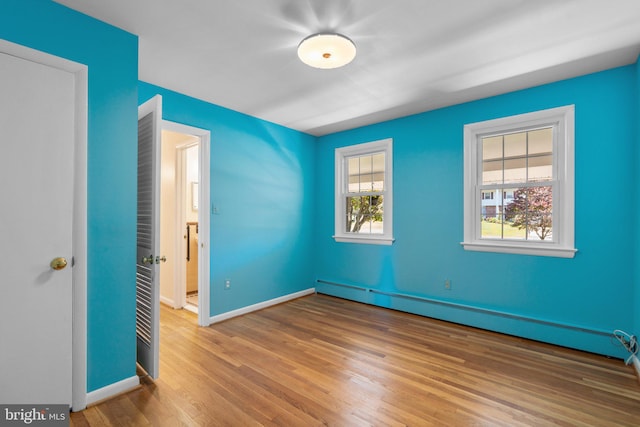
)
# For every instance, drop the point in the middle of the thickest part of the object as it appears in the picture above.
(112, 58)
(593, 291)
(262, 181)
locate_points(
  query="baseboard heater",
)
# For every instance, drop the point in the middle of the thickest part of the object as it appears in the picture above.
(469, 308)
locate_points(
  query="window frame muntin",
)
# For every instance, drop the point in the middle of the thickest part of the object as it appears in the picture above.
(563, 184)
(341, 182)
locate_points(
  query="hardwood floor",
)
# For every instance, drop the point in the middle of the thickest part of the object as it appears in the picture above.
(320, 360)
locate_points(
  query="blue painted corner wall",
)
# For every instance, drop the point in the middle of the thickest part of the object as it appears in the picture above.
(559, 297)
(262, 182)
(112, 59)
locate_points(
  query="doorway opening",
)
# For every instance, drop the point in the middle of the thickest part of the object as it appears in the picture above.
(184, 219)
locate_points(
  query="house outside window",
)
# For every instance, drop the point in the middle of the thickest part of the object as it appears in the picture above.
(364, 193)
(507, 195)
(519, 184)
(487, 195)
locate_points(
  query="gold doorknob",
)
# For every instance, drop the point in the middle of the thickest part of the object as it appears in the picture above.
(58, 263)
(147, 260)
(161, 258)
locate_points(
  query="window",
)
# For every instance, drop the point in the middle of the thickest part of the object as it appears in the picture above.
(364, 198)
(487, 195)
(528, 160)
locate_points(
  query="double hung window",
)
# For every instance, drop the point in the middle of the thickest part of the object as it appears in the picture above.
(364, 199)
(519, 184)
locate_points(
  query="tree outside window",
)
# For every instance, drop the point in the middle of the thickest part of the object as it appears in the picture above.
(531, 209)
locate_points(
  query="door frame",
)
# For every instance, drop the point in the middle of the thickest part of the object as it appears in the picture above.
(79, 238)
(180, 280)
(204, 214)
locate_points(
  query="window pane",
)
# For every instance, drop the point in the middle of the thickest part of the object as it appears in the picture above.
(515, 145)
(491, 227)
(511, 230)
(493, 222)
(365, 165)
(353, 174)
(540, 168)
(541, 141)
(366, 176)
(378, 172)
(539, 214)
(497, 228)
(492, 148)
(518, 157)
(366, 173)
(370, 225)
(515, 170)
(531, 210)
(492, 172)
(364, 214)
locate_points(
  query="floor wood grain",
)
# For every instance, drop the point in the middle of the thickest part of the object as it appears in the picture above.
(320, 360)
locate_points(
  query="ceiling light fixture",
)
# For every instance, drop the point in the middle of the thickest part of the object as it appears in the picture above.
(326, 50)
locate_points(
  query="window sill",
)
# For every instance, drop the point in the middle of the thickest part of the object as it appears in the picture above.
(365, 240)
(520, 249)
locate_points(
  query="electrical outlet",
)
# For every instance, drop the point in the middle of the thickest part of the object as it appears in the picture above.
(447, 284)
(227, 284)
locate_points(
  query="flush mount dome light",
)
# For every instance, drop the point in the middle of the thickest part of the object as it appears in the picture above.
(326, 51)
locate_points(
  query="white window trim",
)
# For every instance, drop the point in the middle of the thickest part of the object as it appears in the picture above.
(386, 238)
(563, 164)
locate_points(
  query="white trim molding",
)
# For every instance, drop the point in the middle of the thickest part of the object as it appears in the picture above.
(515, 248)
(107, 392)
(364, 239)
(260, 305)
(167, 301)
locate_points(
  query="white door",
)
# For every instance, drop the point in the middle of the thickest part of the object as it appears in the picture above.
(36, 221)
(148, 236)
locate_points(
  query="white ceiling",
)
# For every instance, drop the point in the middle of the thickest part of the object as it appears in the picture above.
(413, 55)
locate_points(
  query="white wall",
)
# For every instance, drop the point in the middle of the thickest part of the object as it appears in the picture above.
(192, 176)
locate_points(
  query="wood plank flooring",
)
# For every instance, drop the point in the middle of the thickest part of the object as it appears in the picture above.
(320, 360)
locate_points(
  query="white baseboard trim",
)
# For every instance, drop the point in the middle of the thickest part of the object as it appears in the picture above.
(260, 305)
(112, 390)
(167, 301)
(636, 365)
(191, 308)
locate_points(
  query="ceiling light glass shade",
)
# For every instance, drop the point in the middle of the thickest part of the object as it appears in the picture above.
(326, 50)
